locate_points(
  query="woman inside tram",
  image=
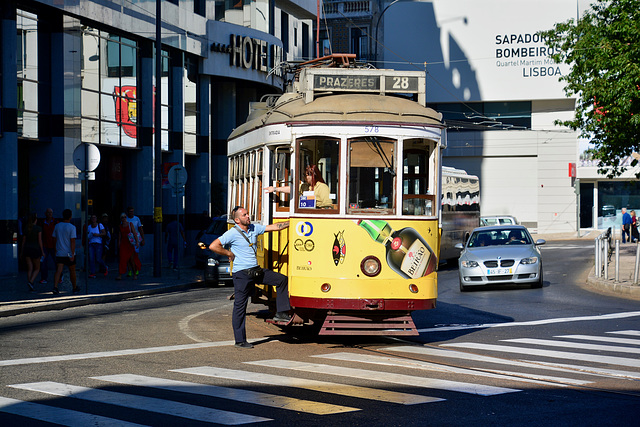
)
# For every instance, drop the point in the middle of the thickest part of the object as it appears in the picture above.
(313, 182)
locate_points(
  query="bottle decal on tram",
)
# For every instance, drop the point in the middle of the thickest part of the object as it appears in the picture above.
(408, 254)
(339, 248)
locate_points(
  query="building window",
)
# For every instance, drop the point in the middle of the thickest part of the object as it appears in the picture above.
(284, 31)
(305, 42)
(325, 42)
(359, 43)
(200, 7)
(27, 66)
(109, 89)
(247, 13)
(190, 104)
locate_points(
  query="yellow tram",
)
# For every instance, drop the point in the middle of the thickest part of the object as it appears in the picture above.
(361, 251)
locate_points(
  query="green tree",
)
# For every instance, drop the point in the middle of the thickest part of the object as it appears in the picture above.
(603, 50)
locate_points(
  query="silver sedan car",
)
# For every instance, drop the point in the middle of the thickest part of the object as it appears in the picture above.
(500, 254)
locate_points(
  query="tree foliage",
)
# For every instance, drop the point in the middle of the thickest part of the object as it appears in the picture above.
(603, 49)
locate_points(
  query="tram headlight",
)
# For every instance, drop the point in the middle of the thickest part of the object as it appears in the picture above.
(370, 266)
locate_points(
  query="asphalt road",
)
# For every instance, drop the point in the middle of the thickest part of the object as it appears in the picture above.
(560, 355)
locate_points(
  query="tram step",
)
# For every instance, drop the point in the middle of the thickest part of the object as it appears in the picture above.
(340, 324)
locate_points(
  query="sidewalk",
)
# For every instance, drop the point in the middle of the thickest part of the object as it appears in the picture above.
(15, 297)
(624, 287)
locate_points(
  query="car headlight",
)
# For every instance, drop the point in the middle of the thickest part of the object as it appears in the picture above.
(469, 264)
(212, 262)
(530, 260)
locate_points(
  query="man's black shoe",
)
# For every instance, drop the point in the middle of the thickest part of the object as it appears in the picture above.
(281, 316)
(244, 345)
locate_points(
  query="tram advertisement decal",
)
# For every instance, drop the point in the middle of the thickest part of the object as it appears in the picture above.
(403, 248)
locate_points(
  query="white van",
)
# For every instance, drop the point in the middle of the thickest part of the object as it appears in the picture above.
(498, 220)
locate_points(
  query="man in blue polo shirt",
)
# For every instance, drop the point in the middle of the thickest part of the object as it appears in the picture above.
(241, 241)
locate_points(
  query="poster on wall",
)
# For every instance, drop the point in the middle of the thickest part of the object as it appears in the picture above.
(120, 112)
(478, 51)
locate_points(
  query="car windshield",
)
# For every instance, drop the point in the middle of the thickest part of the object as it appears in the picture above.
(499, 237)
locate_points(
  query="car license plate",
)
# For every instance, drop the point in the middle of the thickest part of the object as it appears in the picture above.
(498, 271)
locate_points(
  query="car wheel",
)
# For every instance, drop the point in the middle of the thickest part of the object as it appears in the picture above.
(540, 281)
(463, 288)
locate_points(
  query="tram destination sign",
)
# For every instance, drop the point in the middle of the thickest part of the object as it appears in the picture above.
(366, 83)
(315, 80)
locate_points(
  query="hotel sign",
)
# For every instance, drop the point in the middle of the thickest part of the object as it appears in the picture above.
(251, 53)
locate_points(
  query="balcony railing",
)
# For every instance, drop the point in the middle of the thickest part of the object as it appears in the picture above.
(346, 8)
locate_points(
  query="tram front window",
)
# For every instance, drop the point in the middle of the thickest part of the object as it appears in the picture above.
(371, 175)
(317, 172)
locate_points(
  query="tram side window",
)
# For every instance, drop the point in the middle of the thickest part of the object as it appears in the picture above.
(372, 174)
(281, 175)
(317, 173)
(245, 174)
(417, 194)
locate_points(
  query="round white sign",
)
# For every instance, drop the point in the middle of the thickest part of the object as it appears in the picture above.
(177, 176)
(86, 157)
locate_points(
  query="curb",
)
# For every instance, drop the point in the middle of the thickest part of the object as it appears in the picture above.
(24, 307)
(610, 286)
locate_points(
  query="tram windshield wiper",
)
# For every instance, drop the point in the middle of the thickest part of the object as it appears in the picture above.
(377, 147)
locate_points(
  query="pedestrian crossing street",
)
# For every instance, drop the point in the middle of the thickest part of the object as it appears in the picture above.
(562, 361)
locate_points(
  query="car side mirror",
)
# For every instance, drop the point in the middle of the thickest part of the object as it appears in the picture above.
(540, 242)
(459, 246)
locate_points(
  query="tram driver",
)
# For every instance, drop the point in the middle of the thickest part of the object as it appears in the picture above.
(313, 182)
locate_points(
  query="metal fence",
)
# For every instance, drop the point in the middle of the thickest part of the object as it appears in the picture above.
(606, 247)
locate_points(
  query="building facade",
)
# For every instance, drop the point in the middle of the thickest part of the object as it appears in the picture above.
(84, 72)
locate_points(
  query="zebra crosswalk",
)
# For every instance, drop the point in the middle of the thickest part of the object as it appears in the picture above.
(225, 396)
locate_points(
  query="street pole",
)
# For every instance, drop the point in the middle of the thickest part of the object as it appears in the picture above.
(157, 150)
(85, 207)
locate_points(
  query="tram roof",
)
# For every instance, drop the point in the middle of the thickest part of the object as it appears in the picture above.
(344, 108)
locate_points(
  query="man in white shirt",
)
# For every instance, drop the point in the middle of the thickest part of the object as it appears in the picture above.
(64, 235)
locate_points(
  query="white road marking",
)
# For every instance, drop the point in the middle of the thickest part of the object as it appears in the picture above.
(307, 384)
(533, 322)
(611, 360)
(248, 396)
(115, 353)
(183, 325)
(61, 416)
(160, 406)
(453, 354)
(613, 340)
(392, 378)
(427, 366)
(631, 333)
(574, 345)
(590, 370)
